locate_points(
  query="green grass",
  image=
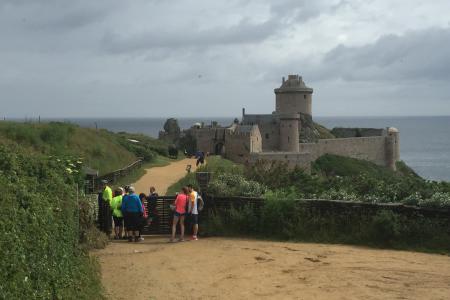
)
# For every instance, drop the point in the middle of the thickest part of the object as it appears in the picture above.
(217, 164)
(334, 165)
(324, 133)
(176, 187)
(100, 149)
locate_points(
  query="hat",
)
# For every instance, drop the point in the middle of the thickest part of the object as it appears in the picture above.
(131, 189)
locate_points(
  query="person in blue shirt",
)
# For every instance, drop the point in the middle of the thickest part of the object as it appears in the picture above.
(132, 214)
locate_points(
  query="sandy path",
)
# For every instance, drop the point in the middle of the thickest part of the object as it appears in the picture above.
(163, 177)
(217, 268)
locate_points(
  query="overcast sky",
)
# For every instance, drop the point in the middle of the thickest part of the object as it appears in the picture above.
(143, 58)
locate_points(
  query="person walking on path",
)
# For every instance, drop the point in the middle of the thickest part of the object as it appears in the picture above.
(195, 205)
(116, 205)
(106, 207)
(200, 155)
(132, 212)
(180, 212)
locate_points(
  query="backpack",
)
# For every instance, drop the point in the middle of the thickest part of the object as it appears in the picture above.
(200, 203)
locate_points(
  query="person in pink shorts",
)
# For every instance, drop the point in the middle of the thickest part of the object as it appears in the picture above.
(180, 212)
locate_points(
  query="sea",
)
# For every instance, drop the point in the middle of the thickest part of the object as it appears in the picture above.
(424, 141)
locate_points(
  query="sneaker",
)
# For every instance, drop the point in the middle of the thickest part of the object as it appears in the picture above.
(181, 240)
(141, 238)
(194, 238)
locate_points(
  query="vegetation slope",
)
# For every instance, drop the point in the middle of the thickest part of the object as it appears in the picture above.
(283, 216)
(47, 223)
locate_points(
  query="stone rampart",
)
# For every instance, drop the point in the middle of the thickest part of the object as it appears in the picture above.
(367, 148)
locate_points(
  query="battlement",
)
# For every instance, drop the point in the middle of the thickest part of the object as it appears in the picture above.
(293, 84)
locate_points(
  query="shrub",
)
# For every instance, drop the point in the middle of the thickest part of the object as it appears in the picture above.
(39, 222)
(438, 200)
(173, 151)
(235, 185)
(290, 219)
(385, 228)
(413, 199)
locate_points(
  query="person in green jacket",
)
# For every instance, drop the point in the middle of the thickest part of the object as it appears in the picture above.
(116, 205)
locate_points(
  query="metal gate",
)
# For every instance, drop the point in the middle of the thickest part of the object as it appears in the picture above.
(161, 215)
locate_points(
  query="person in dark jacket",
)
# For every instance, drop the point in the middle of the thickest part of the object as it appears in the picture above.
(151, 206)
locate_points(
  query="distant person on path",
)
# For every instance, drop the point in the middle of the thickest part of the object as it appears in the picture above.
(195, 205)
(180, 212)
(106, 207)
(132, 213)
(200, 155)
(116, 205)
(151, 205)
(144, 217)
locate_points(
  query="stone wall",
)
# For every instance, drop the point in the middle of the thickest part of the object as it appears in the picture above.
(205, 139)
(270, 133)
(367, 148)
(238, 147)
(269, 127)
(341, 132)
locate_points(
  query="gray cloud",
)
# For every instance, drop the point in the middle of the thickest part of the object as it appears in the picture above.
(283, 13)
(58, 56)
(415, 55)
(242, 33)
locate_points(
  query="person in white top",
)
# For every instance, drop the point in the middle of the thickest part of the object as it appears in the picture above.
(195, 205)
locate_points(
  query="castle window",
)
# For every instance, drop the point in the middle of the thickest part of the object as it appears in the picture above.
(267, 135)
(288, 139)
(304, 96)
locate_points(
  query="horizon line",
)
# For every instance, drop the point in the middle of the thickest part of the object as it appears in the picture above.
(203, 117)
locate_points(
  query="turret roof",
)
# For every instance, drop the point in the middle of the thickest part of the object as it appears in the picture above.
(294, 83)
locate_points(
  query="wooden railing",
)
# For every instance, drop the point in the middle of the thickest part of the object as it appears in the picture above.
(94, 185)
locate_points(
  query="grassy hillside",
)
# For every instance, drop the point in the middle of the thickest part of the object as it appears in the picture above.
(46, 224)
(99, 149)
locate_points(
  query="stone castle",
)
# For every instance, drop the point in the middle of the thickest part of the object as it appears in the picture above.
(280, 136)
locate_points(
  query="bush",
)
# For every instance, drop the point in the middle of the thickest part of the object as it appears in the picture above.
(39, 221)
(173, 151)
(413, 199)
(289, 219)
(385, 228)
(438, 200)
(235, 185)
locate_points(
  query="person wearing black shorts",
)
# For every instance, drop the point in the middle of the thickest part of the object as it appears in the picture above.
(132, 212)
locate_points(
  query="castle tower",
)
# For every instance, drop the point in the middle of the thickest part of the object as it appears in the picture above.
(289, 132)
(392, 147)
(293, 96)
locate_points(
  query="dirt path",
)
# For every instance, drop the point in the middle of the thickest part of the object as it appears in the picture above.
(163, 177)
(217, 268)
